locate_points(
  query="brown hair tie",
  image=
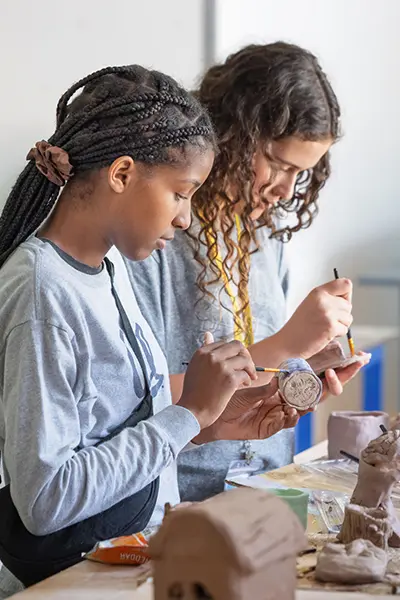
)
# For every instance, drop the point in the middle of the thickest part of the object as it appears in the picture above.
(52, 162)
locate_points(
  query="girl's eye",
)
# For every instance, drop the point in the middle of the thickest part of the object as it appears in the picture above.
(279, 167)
(179, 197)
(282, 168)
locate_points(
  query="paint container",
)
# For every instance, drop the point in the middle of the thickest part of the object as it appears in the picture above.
(297, 500)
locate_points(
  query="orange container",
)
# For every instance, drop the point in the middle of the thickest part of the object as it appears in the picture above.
(125, 550)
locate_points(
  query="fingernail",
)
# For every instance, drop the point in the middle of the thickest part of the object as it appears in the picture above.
(208, 338)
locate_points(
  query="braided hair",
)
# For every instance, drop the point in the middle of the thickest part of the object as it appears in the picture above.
(126, 110)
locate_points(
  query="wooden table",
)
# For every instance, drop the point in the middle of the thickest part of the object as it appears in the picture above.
(92, 581)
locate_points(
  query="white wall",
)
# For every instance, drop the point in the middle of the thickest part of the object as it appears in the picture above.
(45, 46)
(358, 44)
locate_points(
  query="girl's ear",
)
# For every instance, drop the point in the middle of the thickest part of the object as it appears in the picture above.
(120, 173)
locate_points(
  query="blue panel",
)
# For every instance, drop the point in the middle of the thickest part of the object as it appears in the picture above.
(373, 381)
(304, 433)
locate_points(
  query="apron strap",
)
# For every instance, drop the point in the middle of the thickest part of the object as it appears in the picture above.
(126, 325)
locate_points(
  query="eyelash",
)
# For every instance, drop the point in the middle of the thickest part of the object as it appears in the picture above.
(278, 167)
(179, 197)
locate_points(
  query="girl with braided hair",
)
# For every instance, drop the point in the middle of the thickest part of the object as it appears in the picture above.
(276, 117)
(88, 434)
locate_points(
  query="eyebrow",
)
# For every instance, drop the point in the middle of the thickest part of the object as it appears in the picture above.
(194, 182)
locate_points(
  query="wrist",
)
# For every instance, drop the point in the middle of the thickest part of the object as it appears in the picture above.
(291, 346)
(281, 346)
(184, 402)
(206, 435)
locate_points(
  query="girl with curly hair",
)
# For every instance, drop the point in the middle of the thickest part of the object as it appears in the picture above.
(276, 117)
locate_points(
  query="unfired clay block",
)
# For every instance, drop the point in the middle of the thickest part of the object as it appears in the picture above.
(355, 563)
(352, 431)
(238, 545)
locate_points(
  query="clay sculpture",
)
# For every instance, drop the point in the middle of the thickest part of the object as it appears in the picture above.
(372, 524)
(352, 431)
(238, 545)
(298, 384)
(395, 422)
(379, 471)
(355, 563)
(331, 357)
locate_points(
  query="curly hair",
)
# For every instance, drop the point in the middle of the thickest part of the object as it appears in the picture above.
(258, 95)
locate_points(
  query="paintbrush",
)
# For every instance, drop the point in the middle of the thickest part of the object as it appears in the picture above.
(270, 370)
(349, 336)
(259, 369)
(350, 456)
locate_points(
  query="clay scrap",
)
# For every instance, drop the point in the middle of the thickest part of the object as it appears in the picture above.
(299, 385)
(358, 562)
(240, 544)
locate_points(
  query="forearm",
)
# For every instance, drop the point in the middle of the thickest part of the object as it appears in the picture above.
(95, 478)
(270, 352)
(176, 383)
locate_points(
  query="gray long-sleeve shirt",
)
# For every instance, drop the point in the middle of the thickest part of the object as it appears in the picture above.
(166, 291)
(68, 378)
